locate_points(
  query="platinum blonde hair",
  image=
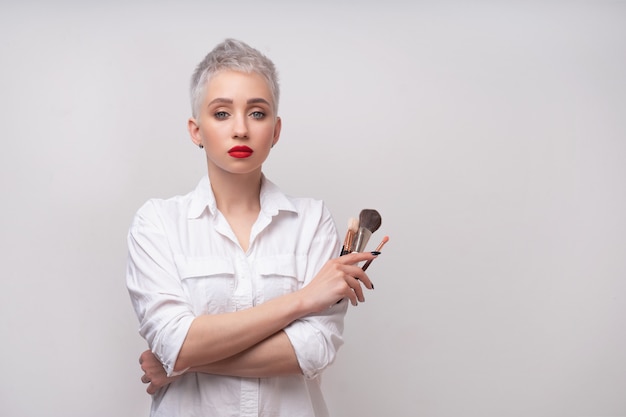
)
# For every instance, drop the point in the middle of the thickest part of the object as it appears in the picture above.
(233, 55)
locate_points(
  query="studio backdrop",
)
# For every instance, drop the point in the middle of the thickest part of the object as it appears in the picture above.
(490, 136)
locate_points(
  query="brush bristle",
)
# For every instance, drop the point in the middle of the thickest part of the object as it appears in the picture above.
(353, 224)
(370, 219)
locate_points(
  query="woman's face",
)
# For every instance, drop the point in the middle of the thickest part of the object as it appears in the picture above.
(236, 124)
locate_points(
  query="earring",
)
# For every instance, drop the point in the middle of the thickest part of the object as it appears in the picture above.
(201, 146)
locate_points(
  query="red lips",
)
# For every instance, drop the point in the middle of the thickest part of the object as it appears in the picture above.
(240, 152)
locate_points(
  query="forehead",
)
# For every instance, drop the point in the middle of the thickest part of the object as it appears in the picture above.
(230, 83)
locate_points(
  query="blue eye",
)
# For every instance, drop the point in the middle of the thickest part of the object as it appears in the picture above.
(221, 115)
(257, 114)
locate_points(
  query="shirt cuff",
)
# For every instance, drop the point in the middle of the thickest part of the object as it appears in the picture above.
(169, 344)
(316, 339)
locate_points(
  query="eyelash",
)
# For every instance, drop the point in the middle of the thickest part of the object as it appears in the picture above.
(221, 115)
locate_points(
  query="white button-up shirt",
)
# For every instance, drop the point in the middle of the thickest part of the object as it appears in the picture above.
(185, 261)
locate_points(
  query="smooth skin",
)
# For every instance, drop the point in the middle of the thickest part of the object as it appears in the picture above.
(236, 111)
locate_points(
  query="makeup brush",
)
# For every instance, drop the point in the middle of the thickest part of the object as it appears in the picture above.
(369, 222)
(378, 248)
(353, 227)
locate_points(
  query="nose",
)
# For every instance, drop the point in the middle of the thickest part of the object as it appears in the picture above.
(240, 127)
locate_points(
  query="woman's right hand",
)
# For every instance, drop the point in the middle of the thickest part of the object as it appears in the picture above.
(154, 373)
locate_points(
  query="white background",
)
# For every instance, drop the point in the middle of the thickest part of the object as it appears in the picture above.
(491, 137)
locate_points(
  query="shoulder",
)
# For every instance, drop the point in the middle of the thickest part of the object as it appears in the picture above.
(311, 208)
(158, 210)
(275, 198)
(313, 214)
(306, 203)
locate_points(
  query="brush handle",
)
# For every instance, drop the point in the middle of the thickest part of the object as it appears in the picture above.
(367, 265)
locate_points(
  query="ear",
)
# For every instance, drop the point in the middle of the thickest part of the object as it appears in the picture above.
(277, 126)
(194, 131)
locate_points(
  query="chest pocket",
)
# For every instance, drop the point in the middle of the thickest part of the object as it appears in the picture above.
(208, 282)
(280, 274)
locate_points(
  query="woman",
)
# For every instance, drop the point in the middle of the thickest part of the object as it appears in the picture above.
(236, 284)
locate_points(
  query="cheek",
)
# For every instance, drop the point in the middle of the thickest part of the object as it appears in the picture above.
(267, 131)
(212, 130)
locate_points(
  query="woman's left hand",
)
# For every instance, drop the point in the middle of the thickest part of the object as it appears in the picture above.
(154, 373)
(339, 278)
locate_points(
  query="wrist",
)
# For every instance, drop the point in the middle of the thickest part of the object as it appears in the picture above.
(300, 304)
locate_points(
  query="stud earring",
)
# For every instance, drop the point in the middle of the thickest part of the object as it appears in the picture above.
(201, 146)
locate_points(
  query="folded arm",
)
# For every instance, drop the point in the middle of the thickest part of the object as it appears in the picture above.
(296, 332)
(213, 338)
(272, 357)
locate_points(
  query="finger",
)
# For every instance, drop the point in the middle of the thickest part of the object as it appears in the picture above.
(356, 257)
(358, 274)
(352, 297)
(355, 286)
(144, 355)
(362, 276)
(145, 379)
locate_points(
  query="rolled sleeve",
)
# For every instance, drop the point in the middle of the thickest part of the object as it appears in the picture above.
(317, 338)
(162, 308)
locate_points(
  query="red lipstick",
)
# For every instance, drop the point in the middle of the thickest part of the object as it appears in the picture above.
(240, 152)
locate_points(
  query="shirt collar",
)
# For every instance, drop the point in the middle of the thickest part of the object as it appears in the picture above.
(273, 199)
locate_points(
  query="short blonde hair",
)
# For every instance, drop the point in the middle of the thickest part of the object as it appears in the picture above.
(234, 55)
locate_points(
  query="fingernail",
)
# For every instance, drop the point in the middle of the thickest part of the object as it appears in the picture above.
(372, 285)
(375, 253)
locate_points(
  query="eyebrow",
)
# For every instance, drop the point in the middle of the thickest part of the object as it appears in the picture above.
(258, 100)
(230, 101)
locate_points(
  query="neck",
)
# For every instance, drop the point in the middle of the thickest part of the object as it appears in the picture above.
(236, 193)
